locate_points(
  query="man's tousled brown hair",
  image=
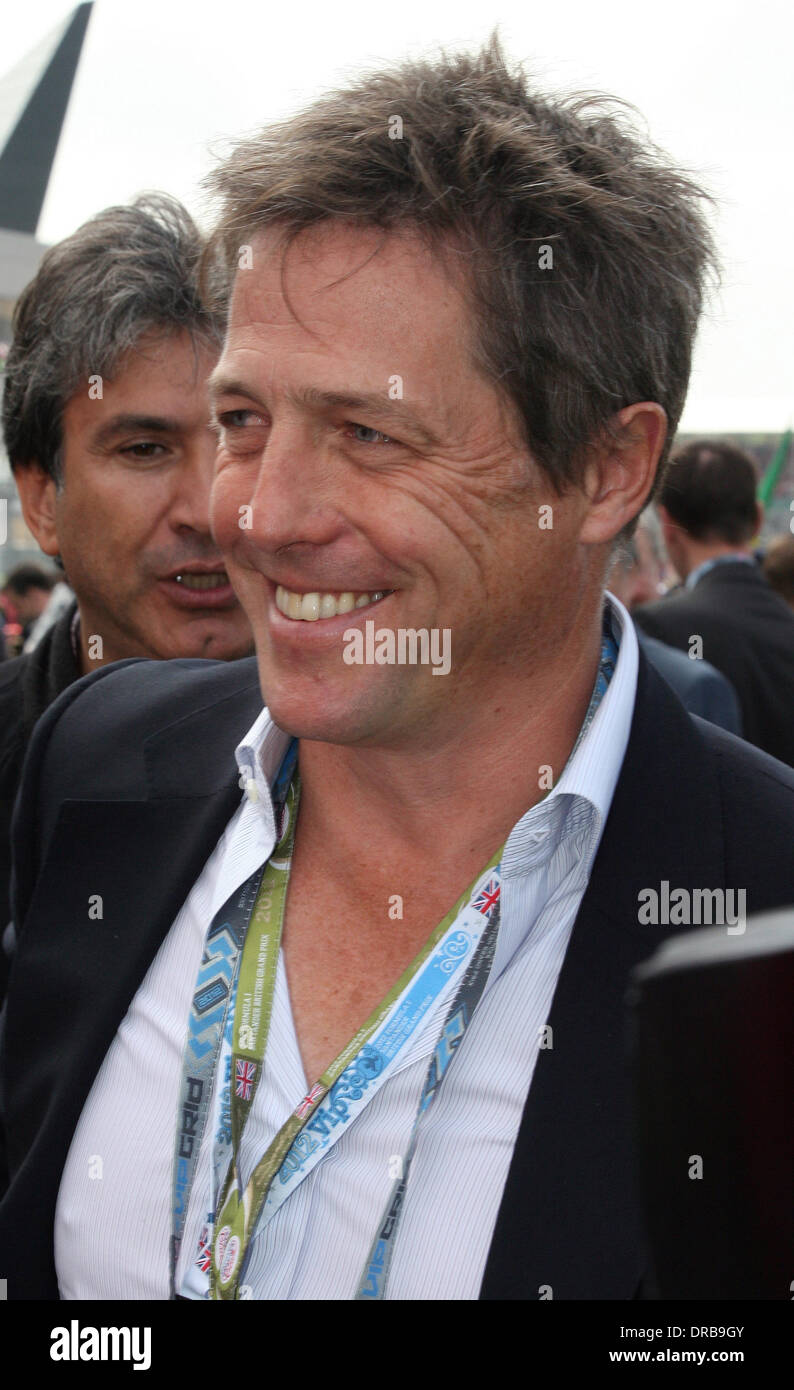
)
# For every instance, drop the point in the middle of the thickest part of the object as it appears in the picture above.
(496, 171)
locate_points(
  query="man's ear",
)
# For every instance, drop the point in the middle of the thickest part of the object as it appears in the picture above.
(621, 471)
(37, 494)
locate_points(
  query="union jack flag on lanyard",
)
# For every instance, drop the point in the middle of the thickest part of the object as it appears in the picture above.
(204, 1253)
(487, 898)
(244, 1079)
(308, 1101)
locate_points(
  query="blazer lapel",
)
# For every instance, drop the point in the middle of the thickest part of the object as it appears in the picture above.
(569, 1225)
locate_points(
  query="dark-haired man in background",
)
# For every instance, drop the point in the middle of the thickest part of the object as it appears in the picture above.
(635, 577)
(23, 598)
(417, 1089)
(106, 425)
(726, 611)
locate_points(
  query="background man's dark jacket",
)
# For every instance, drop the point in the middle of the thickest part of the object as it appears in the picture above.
(130, 781)
(28, 686)
(748, 634)
(699, 686)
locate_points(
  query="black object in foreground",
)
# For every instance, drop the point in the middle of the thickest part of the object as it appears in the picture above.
(713, 1066)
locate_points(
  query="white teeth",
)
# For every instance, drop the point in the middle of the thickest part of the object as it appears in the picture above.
(309, 608)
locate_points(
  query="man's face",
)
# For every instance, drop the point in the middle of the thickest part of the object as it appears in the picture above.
(32, 604)
(644, 580)
(132, 516)
(375, 458)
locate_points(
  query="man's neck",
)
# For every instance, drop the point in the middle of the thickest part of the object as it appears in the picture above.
(697, 553)
(466, 792)
(93, 650)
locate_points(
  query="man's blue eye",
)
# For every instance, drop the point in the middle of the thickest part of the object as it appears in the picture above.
(361, 430)
(234, 419)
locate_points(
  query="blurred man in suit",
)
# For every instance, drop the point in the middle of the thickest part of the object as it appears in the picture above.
(725, 611)
(636, 577)
(24, 597)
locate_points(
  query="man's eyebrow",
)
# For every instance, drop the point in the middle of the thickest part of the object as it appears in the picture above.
(220, 385)
(369, 403)
(132, 424)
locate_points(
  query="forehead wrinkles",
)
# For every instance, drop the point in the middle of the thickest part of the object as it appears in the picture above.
(373, 305)
(324, 267)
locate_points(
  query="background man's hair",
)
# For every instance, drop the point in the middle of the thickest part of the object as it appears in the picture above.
(126, 272)
(710, 491)
(24, 577)
(496, 171)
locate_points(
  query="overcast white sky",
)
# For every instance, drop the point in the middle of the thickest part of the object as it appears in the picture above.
(163, 81)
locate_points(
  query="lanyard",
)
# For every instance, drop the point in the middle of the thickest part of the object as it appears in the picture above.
(207, 1022)
(376, 1270)
(344, 1088)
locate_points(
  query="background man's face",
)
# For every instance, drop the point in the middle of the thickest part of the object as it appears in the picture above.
(432, 497)
(642, 582)
(133, 510)
(30, 605)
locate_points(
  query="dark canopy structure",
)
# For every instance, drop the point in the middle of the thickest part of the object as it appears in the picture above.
(33, 102)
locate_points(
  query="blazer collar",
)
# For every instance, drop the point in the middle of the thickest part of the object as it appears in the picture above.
(192, 756)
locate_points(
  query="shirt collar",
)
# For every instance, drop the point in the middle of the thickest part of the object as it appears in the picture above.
(259, 756)
(581, 799)
(592, 771)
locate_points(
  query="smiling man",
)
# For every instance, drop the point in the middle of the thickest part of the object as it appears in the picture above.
(364, 1021)
(106, 425)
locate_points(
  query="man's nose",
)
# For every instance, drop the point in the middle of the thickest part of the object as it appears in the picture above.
(296, 497)
(190, 500)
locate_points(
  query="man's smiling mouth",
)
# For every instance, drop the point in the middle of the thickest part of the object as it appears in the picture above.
(309, 608)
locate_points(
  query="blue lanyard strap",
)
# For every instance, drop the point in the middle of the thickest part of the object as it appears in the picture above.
(207, 1021)
(376, 1270)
